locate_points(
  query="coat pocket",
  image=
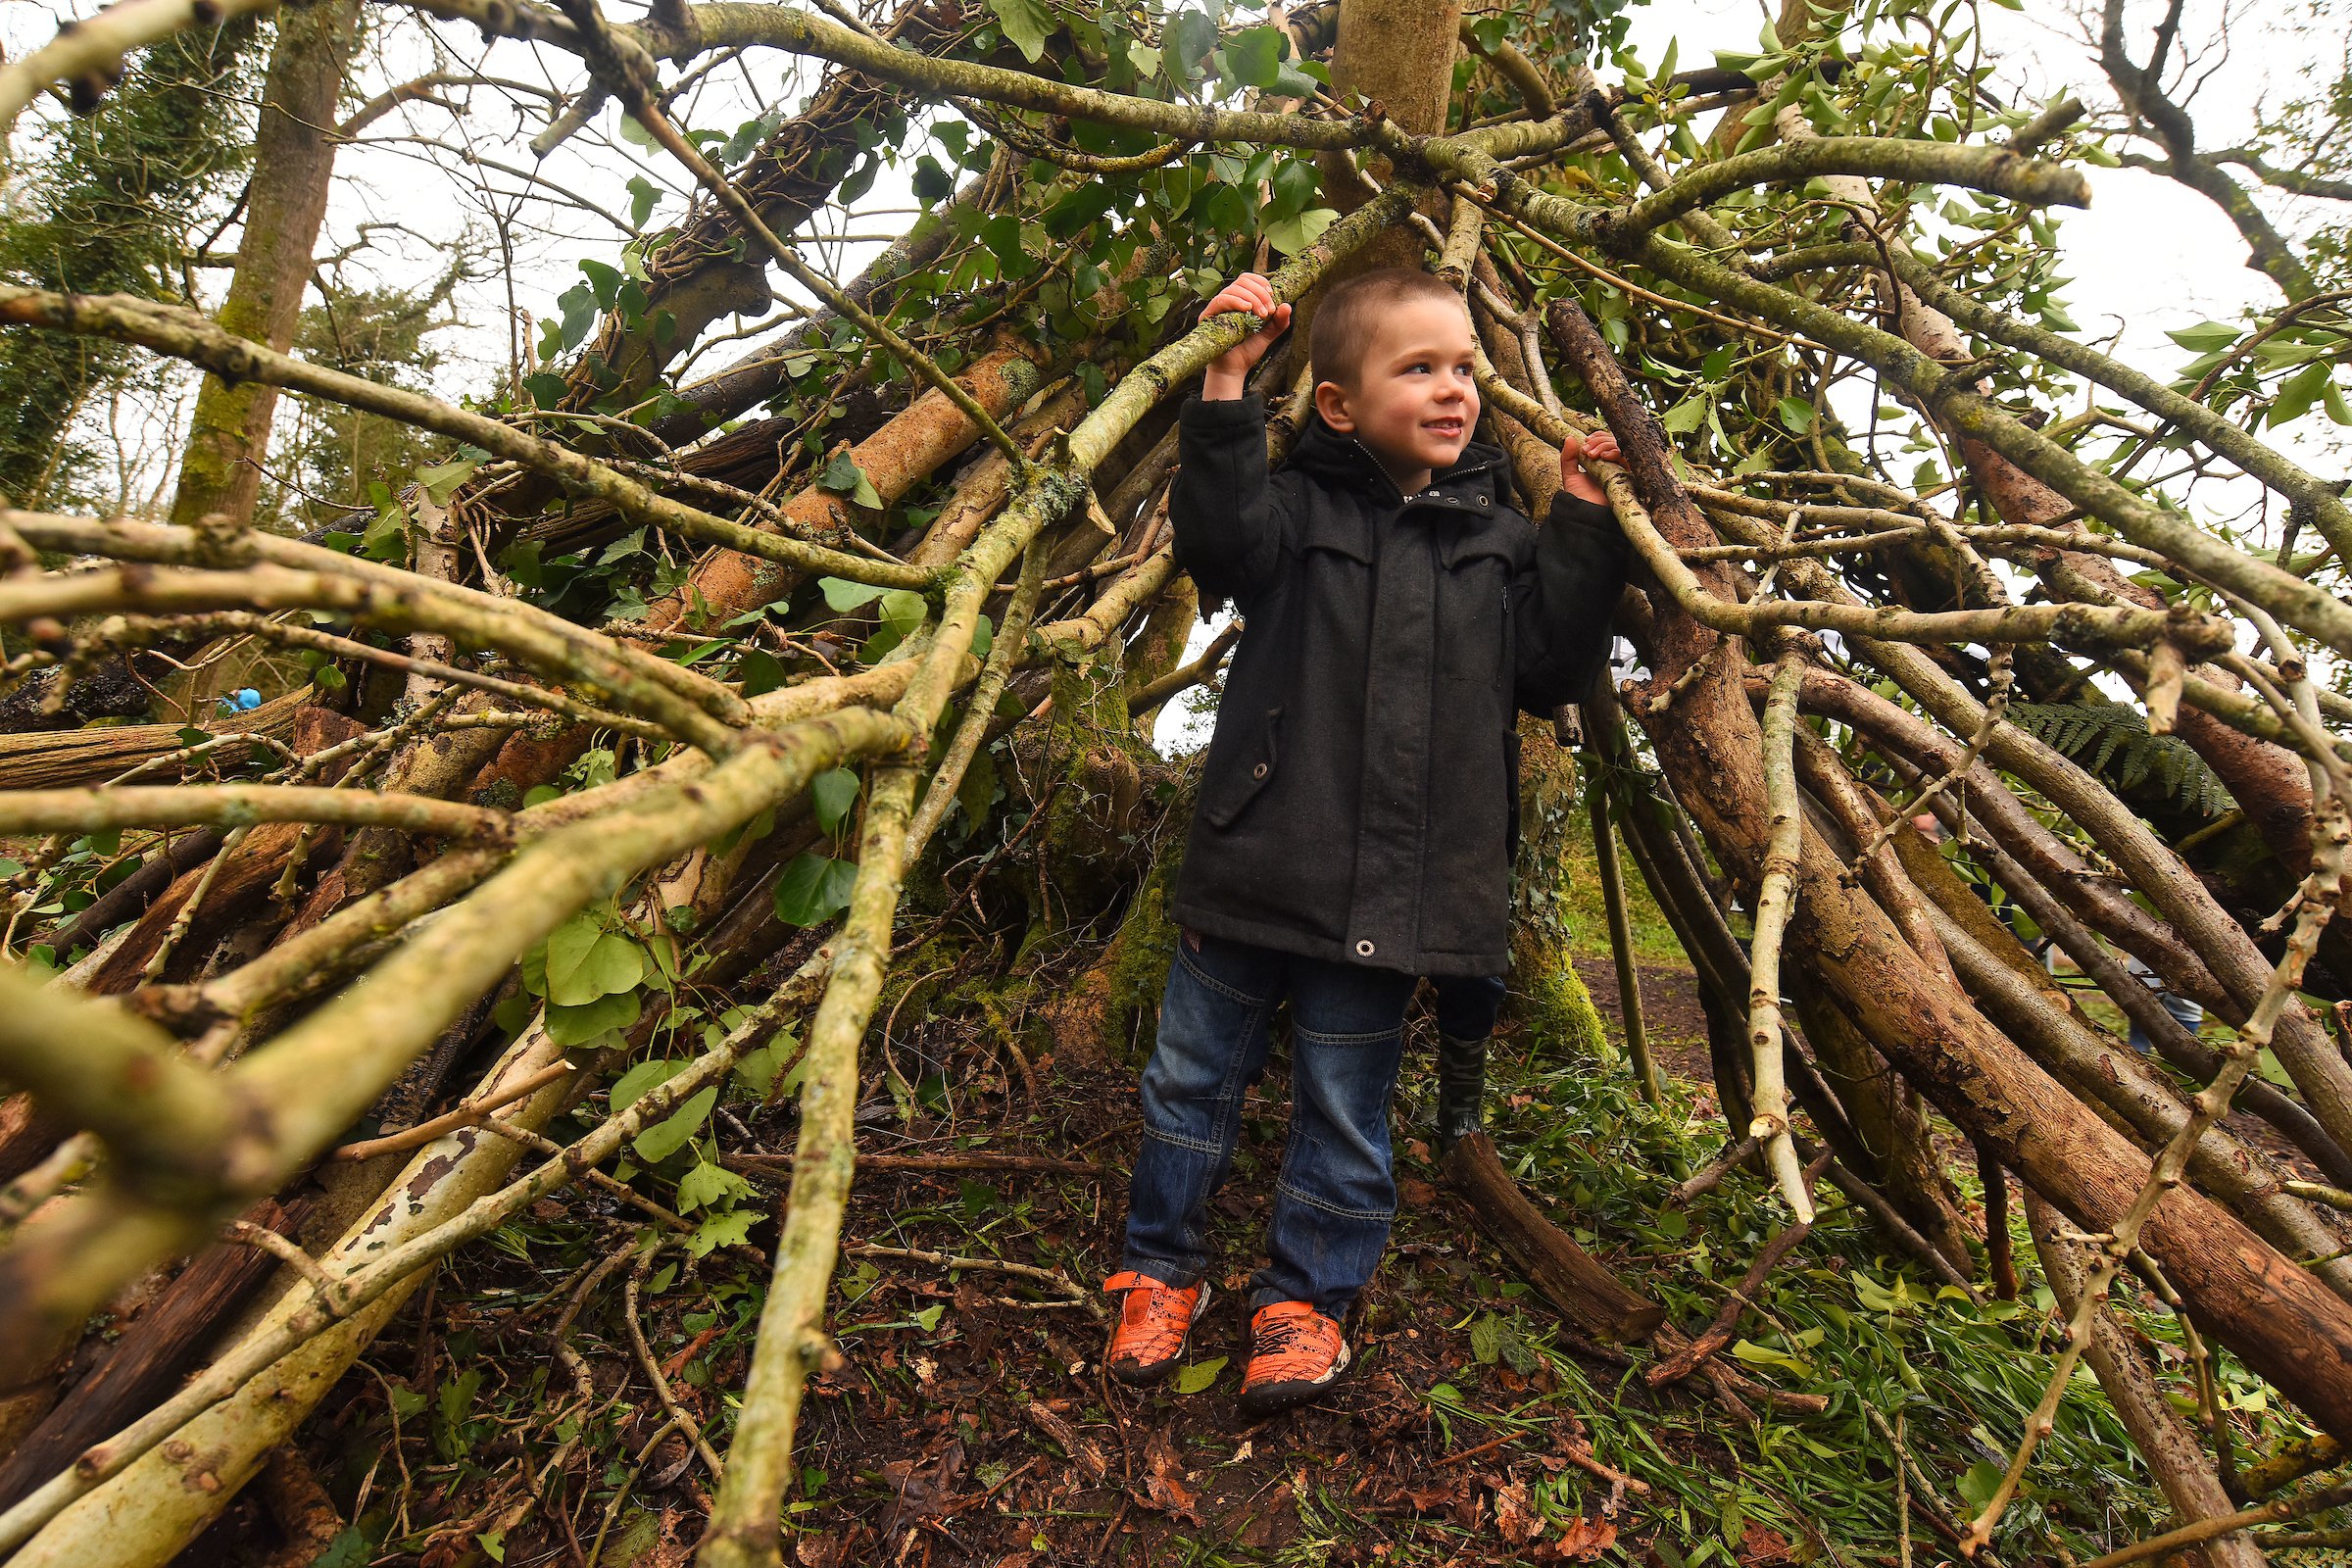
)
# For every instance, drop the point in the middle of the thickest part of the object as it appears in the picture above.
(1251, 769)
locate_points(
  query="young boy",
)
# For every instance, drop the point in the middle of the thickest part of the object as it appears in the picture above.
(1358, 799)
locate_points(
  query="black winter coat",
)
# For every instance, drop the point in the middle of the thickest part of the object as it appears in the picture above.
(1360, 797)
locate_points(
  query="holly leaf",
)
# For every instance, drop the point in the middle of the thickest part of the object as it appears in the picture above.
(1026, 23)
(666, 1138)
(831, 795)
(814, 889)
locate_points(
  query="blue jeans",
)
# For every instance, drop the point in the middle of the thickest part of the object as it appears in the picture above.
(1336, 1195)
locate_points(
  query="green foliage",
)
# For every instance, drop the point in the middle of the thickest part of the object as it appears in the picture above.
(104, 204)
(2113, 740)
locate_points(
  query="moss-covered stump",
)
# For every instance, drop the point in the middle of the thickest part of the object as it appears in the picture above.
(1548, 999)
(1112, 1010)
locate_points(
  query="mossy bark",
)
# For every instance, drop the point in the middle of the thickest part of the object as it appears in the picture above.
(294, 160)
(1549, 999)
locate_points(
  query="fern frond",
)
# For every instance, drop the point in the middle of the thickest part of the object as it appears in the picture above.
(2102, 736)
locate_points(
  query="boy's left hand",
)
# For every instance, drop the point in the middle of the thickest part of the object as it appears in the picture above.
(1576, 476)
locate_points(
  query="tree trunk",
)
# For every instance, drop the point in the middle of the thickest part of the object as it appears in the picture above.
(294, 157)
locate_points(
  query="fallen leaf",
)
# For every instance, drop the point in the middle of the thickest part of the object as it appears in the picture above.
(1517, 1521)
(1416, 1193)
(1164, 1482)
(1764, 1547)
(1583, 1540)
(1438, 1495)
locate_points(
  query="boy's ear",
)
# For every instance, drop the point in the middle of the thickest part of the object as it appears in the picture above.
(1330, 402)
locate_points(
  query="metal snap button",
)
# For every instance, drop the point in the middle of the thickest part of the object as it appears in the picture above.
(1363, 947)
(1486, 500)
(1259, 772)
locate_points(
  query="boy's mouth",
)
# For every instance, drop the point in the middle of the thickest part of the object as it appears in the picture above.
(1445, 429)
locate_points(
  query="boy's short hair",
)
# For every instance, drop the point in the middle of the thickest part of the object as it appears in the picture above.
(1344, 321)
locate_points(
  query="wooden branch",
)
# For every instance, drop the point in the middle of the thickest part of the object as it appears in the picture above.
(187, 335)
(1768, 1093)
(1718, 1334)
(1569, 1277)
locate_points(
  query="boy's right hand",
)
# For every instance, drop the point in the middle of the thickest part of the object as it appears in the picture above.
(1229, 371)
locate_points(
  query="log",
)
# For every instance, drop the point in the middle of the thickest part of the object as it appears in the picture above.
(1570, 1278)
(63, 759)
(147, 1363)
(2279, 1318)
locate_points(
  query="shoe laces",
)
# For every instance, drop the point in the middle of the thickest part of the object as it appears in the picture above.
(1285, 1334)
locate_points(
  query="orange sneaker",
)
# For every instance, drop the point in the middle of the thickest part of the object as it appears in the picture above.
(1153, 1320)
(1296, 1352)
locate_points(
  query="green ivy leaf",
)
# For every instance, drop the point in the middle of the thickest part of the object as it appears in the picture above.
(1796, 414)
(1028, 23)
(759, 1069)
(1685, 417)
(2295, 398)
(1200, 1376)
(1254, 57)
(842, 594)
(666, 1138)
(1291, 235)
(841, 475)
(831, 795)
(728, 1228)
(2205, 337)
(707, 1183)
(931, 182)
(576, 1026)
(1980, 1482)
(977, 791)
(643, 197)
(566, 946)
(759, 671)
(642, 1080)
(1187, 42)
(814, 889)
(635, 134)
(612, 965)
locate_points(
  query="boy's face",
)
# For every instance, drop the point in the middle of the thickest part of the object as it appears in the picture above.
(1415, 403)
